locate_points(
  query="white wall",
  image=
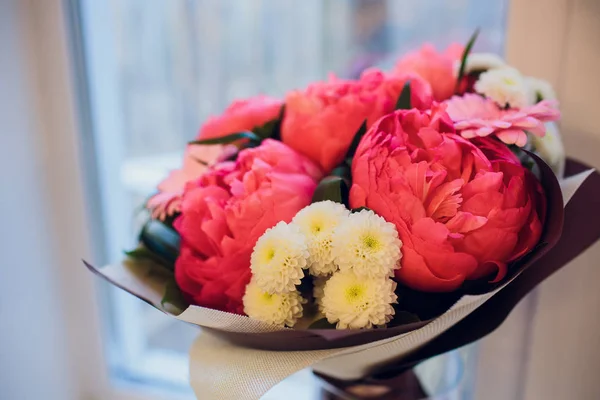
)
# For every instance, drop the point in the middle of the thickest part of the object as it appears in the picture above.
(32, 340)
(49, 342)
(549, 348)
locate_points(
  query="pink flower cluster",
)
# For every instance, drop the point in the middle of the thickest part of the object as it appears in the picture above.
(226, 210)
(462, 203)
(463, 210)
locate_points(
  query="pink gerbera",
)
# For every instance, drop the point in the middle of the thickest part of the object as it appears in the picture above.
(476, 116)
(196, 161)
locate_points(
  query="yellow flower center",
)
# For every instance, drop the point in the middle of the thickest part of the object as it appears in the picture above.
(509, 81)
(267, 298)
(370, 241)
(354, 293)
(316, 227)
(268, 254)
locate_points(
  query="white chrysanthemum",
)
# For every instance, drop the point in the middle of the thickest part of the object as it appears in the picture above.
(278, 258)
(319, 291)
(504, 86)
(283, 309)
(367, 244)
(539, 89)
(480, 62)
(318, 222)
(354, 302)
(551, 149)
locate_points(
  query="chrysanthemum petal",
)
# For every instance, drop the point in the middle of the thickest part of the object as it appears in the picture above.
(278, 259)
(354, 302)
(282, 309)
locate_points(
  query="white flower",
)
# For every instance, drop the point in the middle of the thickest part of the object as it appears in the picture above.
(479, 62)
(550, 148)
(282, 309)
(539, 89)
(366, 244)
(355, 302)
(278, 258)
(318, 222)
(504, 86)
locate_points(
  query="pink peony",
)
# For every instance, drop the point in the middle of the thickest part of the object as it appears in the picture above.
(225, 212)
(321, 121)
(196, 161)
(241, 115)
(462, 213)
(476, 116)
(436, 68)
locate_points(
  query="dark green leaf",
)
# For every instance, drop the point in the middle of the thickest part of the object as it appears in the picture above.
(161, 240)
(355, 142)
(265, 131)
(332, 188)
(403, 102)
(172, 299)
(321, 324)
(139, 253)
(463, 60)
(359, 209)
(343, 171)
(538, 97)
(199, 161)
(271, 129)
(229, 139)
(143, 253)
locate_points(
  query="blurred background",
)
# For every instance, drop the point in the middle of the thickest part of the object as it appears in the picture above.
(97, 99)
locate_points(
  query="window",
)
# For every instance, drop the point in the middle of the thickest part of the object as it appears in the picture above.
(156, 69)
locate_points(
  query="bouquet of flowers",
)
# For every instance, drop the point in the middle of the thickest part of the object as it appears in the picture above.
(356, 224)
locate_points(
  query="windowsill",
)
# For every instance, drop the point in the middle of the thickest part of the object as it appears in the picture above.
(141, 175)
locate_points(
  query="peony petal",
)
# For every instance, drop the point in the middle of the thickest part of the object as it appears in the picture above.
(483, 182)
(464, 222)
(444, 200)
(415, 273)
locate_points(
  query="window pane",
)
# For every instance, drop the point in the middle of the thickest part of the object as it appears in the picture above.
(156, 69)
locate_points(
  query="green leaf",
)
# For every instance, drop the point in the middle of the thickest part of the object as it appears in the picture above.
(538, 97)
(321, 324)
(359, 209)
(271, 129)
(199, 161)
(463, 61)
(229, 139)
(403, 102)
(355, 142)
(343, 171)
(161, 240)
(276, 134)
(143, 253)
(139, 253)
(172, 299)
(332, 188)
